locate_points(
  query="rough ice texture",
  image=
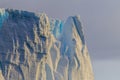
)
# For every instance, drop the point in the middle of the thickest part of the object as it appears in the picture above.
(35, 47)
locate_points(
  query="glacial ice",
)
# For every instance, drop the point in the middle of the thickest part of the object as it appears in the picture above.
(35, 47)
(56, 27)
(3, 16)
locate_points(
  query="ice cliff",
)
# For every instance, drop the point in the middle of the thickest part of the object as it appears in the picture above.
(35, 47)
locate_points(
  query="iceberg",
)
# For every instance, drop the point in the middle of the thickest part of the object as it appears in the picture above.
(36, 47)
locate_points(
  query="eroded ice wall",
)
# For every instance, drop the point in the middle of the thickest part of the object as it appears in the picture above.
(35, 47)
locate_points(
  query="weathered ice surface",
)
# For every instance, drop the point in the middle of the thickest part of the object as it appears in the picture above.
(35, 47)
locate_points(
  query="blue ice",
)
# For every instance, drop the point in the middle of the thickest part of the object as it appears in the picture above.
(56, 27)
(3, 17)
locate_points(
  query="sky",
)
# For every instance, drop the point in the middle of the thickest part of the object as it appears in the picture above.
(101, 24)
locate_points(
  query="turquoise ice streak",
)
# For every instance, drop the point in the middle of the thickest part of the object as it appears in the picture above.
(3, 17)
(61, 27)
(56, 27)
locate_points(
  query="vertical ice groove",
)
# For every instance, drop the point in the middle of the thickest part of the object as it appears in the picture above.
(79, 29)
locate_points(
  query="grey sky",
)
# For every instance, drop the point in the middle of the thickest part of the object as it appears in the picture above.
(101, 21)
